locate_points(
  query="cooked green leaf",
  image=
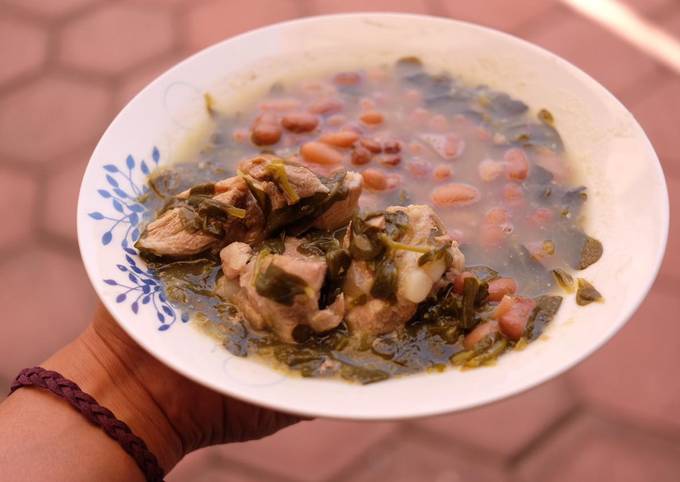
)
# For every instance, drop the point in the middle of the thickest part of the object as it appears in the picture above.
(564, 279)
(437, 254)
(586, 293)
(545, 310)
(207, 188)
(470, 290)
(590, 253)
(278, 285)
(386, 280)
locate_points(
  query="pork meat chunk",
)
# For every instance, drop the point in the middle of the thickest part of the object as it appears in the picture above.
(196, 223)
(235, 257)
(415, 281)
(341, 211)
(279, 292)
(170, 236)
(284, 183)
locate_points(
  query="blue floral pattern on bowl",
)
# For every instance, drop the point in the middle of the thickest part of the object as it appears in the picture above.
(138, 286)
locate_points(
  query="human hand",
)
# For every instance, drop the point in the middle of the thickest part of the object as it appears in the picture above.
(173, 414)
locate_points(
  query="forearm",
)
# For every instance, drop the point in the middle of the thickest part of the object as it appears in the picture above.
(43, 438)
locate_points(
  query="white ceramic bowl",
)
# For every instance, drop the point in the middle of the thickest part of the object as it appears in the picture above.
(628, 204)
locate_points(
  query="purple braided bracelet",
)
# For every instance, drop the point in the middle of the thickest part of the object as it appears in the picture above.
(95, 413)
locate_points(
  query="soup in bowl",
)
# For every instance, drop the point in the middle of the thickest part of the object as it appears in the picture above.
(331, 213)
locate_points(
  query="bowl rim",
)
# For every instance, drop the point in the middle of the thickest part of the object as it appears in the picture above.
(84, 239)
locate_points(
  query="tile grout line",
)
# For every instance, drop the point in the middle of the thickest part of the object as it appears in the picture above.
(548, 434)
(471, 449)
(387, 443)
(633, 425)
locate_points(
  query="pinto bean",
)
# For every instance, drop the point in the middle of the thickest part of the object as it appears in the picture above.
(361, 155)
(320, 153)
(501, 287)
(347, 78)
(442, 173)
(299, 122)
(265, 130)
(496, 215)
(375, 179)
(516, 164)
(480, 332)
(489, 170)
(419, 168)
(340, 138)
(391, 146)
(514, 321)
(371, 144)
(326, 106)
(455, 194)
(389, 160)
(513, 194)
(372, 117)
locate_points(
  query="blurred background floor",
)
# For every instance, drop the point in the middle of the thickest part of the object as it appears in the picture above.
(68, 66)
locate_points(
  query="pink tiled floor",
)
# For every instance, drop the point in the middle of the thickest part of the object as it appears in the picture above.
(67, 67)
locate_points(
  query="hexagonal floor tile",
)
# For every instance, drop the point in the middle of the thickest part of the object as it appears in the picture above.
(47, 303)
(636, 373)
(61, 199)
(592, 450)
(411, 459)
(18, 199)
(115, 37)
(506, 427)
(310, 451)
(672, 21)
(51, 116)
(216, 20)
(51, 8)
(23, 48)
